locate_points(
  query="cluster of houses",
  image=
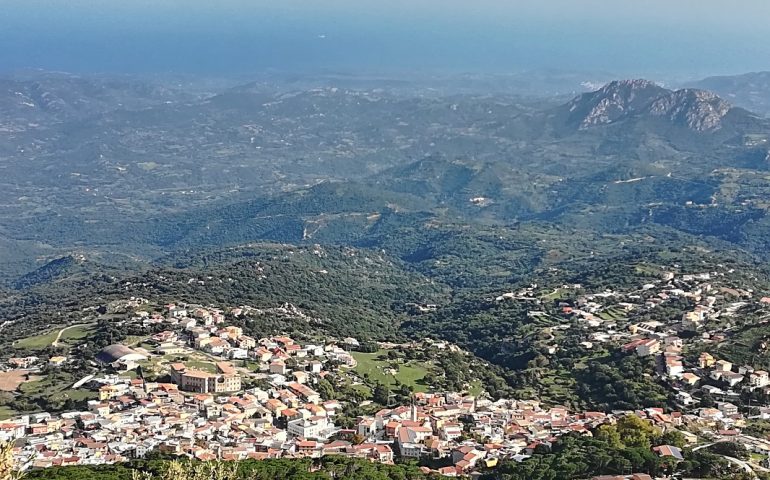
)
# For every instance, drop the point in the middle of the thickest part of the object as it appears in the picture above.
(202, 328)
(133, 417)
(608, 318)
(33, 361)
(207, 414)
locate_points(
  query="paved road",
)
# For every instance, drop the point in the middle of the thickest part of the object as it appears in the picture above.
(700, 447)
(744, 465)
(741, 464)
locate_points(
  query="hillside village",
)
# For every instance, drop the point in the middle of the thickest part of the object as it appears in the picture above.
(631, 322)
(199, 387)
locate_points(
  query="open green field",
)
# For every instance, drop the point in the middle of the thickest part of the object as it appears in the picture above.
(7, 412)
(138, 341)
(69, 335)
(79, 395)
(47, 385)
(363, 389)
(131, 374)
(647, 269)
(554, 295)
(38, 342)
(408, 374)
(54, 389)
(77, 333)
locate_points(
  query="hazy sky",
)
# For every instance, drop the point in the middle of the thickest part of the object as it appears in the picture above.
(664, 37)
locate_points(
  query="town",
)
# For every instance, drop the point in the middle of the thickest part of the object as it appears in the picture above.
(199, 387)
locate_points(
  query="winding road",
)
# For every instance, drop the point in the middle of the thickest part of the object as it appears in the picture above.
(744, 465)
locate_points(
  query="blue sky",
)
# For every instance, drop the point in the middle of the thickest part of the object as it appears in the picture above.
(674, 37)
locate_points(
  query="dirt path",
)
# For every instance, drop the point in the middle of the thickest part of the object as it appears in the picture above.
(55, 343)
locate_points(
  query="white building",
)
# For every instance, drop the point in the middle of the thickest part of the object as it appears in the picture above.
(313, 427)
(759, 378)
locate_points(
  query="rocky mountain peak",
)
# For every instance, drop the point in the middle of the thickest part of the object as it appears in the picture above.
(613, 102)
(699, 110)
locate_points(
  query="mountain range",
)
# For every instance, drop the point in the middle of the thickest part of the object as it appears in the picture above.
(131, 172)
(749, 90)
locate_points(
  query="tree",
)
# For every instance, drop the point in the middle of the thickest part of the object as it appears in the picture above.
(381, 394)
(609, 433)
(636, 432)
(707, 401)
(7, 467)
(730, 449)
(673, 437)
(326, 389)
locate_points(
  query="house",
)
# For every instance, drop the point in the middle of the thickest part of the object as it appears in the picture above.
(674, 367)
(233, 332)
(450, 431)
(309, 448)
(408, 444)
(262, 354)
(24, 362)
(278, 367)
(57, 361)
(177, 312)
(215, 345)
(685, 398)
(366, 427)
(732, 378)
(165, 336)
(314, 350)
(188, 323)
(692, 320)
(690, 378)
(669, 451)
(192, 380)
(11, 431)
(300, 376)
(723, 365)
(712, 390)
(648, 347)
(294, 349)
(169, 348)
(307, 393)
(706, 360)
(373, 451)
(727, 409)
(313, 427)
(759, 379)
(238, 353)
(275, 406)
(689, 437)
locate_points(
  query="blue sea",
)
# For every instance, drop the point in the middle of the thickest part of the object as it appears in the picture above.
(240, 36)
